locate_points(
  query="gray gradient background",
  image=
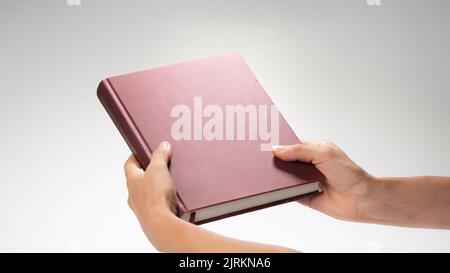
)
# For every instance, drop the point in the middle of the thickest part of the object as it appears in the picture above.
(375, 80)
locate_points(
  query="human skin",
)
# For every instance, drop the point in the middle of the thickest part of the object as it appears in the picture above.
(349, 193)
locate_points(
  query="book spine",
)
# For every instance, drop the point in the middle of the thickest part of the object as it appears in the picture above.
(117, 112)
(128, 130)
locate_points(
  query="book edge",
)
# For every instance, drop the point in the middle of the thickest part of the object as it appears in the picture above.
(255, 208)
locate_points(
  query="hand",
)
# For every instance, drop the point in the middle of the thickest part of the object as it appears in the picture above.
(151, 192)
(152, 197)
(346, 186)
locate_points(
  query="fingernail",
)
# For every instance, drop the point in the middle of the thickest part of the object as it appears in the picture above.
(165, 145)
(278, 148)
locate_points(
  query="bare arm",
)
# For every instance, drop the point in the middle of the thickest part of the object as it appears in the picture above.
(152, 198)
(168, 233)
(422, 201)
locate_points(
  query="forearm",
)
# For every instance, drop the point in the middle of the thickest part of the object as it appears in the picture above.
(168, 233)
(412, 202)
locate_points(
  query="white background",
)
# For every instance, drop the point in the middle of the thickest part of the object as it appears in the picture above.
(373, 79)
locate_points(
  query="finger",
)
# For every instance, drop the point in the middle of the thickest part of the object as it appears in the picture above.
(133, 168)
(302, 152)
(161, 156)
(157, 169)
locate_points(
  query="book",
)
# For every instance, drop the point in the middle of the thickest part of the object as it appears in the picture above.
(221, 124)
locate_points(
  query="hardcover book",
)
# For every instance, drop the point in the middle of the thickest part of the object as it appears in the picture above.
(221, 124)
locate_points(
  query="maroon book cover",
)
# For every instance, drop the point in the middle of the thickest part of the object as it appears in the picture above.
(220, 122)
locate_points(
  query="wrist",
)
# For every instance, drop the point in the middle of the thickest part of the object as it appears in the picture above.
(158, 223)
(155, 215)
(372, 204)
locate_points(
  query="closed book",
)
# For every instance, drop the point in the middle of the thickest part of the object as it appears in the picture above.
(220, 122)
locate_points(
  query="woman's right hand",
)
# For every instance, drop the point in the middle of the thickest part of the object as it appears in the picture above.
(347, 185)
(350, 193)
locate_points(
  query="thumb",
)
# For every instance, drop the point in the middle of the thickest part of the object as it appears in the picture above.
(298, 152)
(161, 156)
